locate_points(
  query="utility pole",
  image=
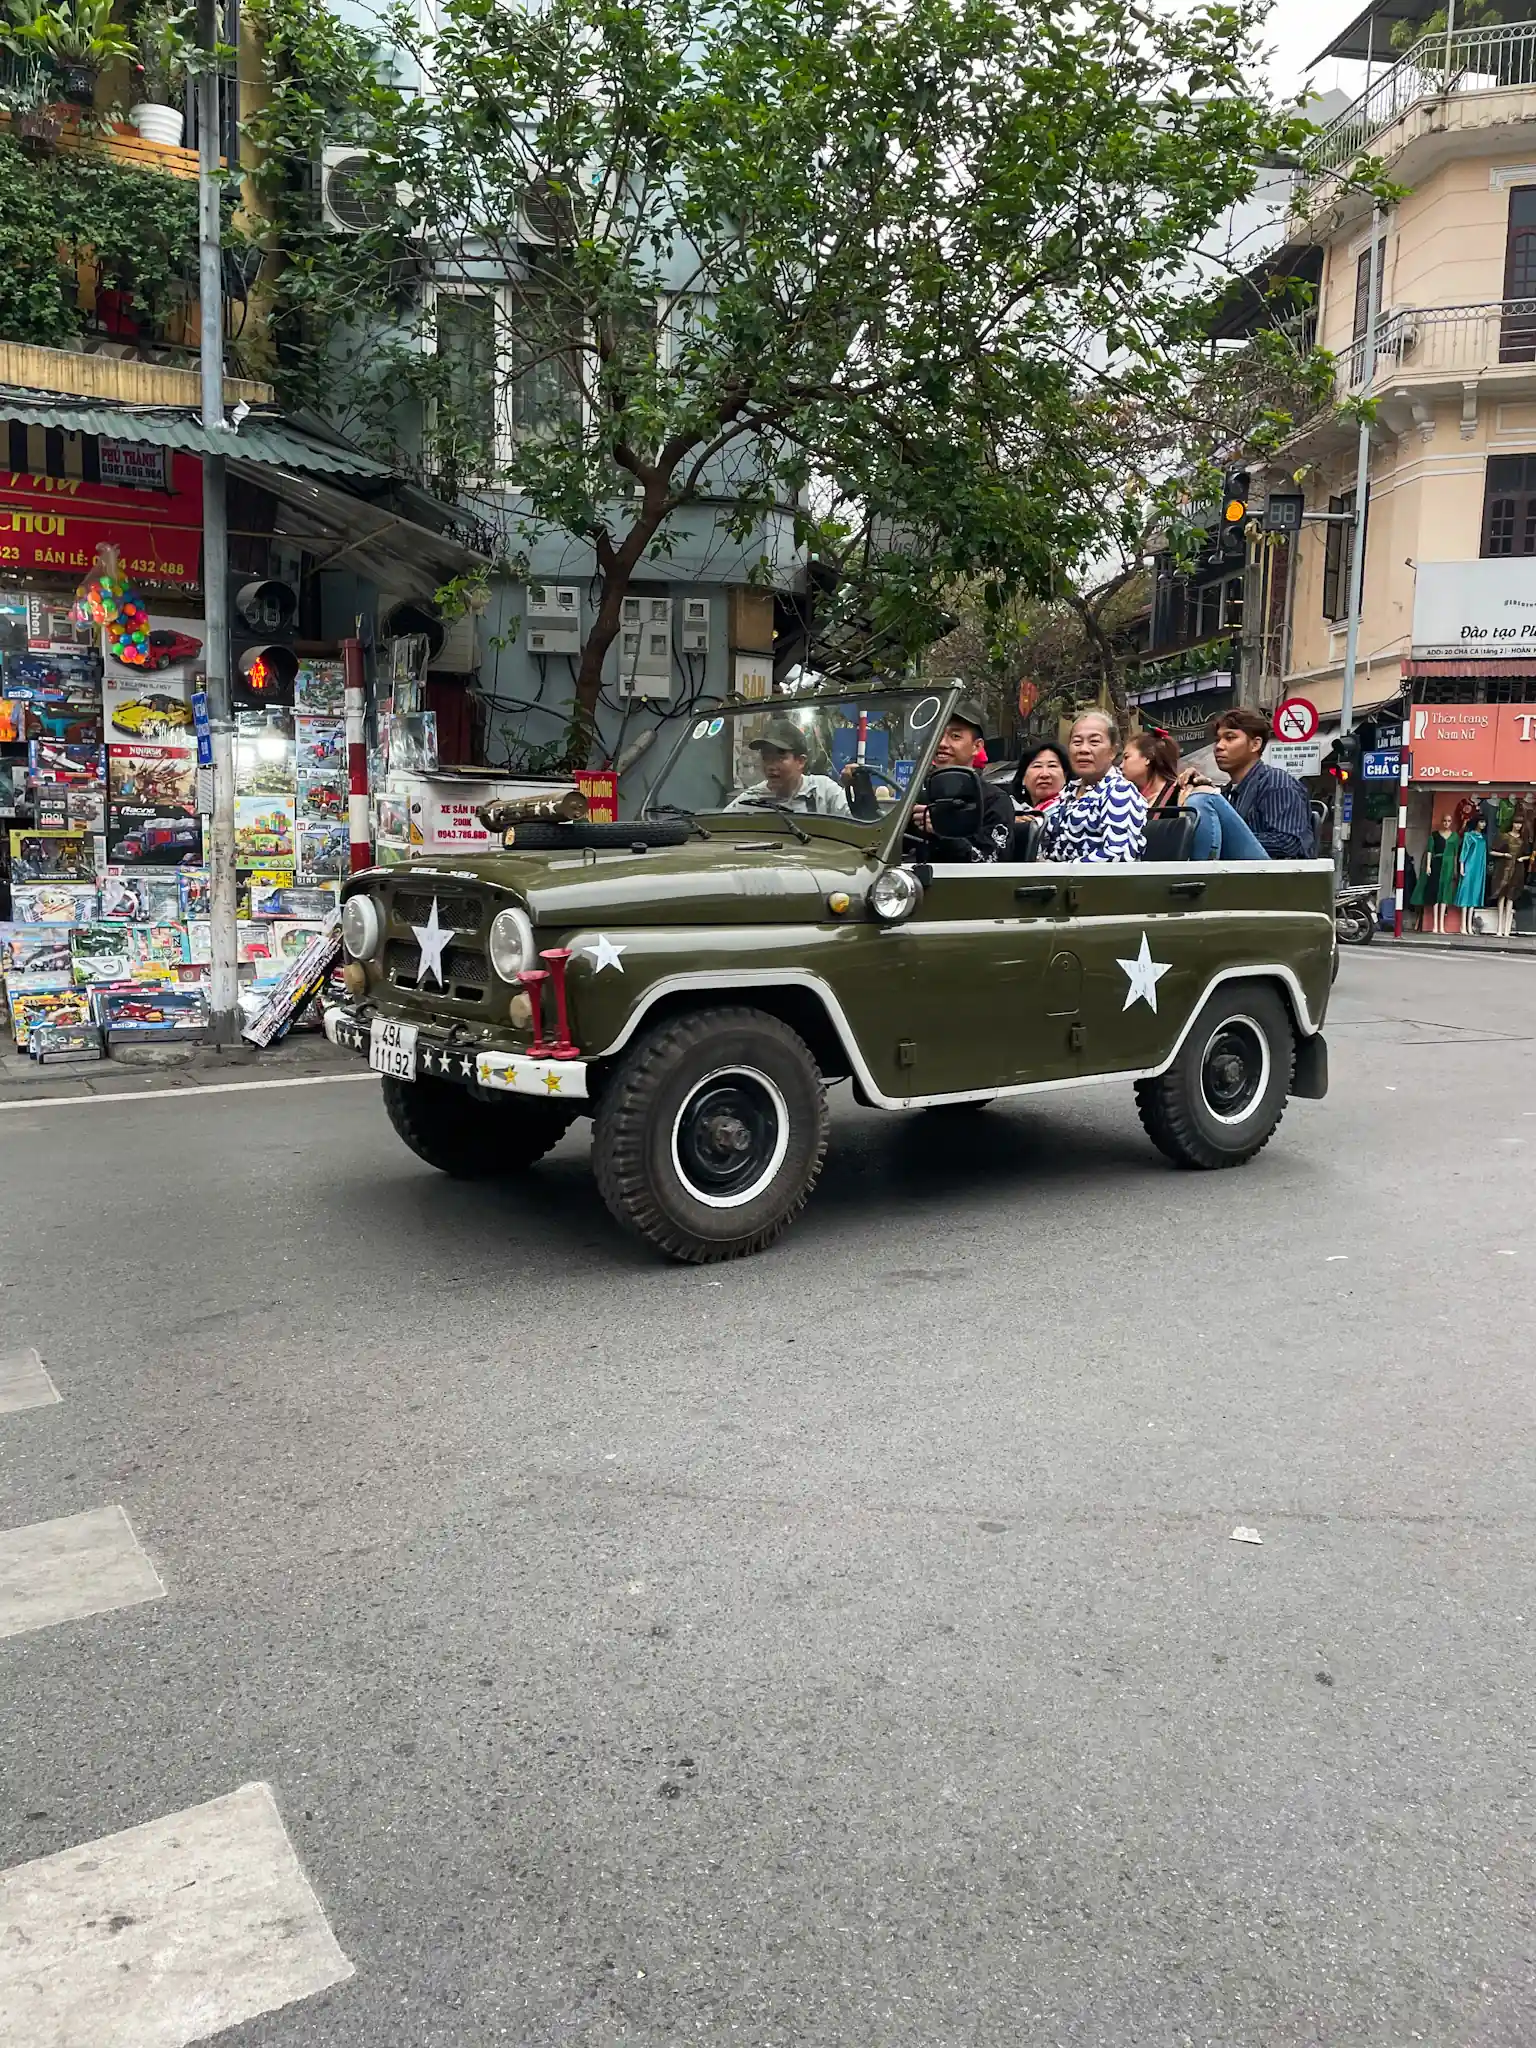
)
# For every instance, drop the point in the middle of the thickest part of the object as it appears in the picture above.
(1341, 825)
(220, 851)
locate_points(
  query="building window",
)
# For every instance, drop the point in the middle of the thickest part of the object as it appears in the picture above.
(1509, 505)
(1339, 555)
(1363, 295)
(1517, 331)
(512, 360)
(464, 419)
(543, 348)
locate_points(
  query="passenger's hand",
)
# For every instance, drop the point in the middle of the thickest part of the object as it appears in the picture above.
(918, 822)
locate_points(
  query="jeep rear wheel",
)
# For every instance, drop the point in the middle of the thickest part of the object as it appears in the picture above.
(710, 1134)
(466, 1137)
(1222, 1099)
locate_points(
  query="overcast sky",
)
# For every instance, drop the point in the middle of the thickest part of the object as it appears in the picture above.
(1298, 29)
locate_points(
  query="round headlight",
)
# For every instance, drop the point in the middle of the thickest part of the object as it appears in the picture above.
(361, 928)
(895, 895)
(511, 943)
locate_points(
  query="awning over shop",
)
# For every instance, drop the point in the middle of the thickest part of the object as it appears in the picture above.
(263, 435)
(343, 508)
(1504, 669)
(375, 536)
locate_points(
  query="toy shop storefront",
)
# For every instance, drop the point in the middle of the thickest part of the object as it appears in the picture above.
(1471, 817)
(104, 886)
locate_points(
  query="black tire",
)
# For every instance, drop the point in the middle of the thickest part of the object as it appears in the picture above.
(462, 1135)
(541, 836)
(1222, 1099)
(693, 1111)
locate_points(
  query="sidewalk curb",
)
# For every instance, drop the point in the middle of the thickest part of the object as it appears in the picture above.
(23, 1080)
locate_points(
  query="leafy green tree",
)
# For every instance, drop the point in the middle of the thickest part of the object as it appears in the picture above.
(896, 270)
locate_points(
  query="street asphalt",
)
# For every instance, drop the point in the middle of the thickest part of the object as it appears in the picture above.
(847, 1648)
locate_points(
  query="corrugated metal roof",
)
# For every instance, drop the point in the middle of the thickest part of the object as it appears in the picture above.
(262, 436)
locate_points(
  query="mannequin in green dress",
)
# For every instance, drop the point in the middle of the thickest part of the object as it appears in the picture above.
(1450, 867)
(1426, 889)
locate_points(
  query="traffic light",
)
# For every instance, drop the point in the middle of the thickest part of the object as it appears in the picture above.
(1343, 763)
(1234, 500)
(262, 616)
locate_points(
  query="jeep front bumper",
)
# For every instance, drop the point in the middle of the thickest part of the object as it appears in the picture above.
(440, 1058)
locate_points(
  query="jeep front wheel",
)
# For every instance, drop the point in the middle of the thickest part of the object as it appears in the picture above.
(468, 1138)
(710, 1134)
(1223, 1097)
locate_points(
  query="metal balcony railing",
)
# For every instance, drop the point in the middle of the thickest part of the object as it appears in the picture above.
(1437, 67)
(1422, 341)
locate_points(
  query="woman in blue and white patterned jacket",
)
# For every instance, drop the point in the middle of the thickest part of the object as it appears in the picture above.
(1100, 815)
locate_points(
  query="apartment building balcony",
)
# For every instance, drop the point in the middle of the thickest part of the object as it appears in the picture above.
(1426, 354)
(1442, 95)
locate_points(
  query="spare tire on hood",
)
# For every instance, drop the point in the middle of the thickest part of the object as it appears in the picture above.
(541, 835)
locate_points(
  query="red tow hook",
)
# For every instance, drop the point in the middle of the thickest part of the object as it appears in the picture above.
(533, 980)
(563, 1048)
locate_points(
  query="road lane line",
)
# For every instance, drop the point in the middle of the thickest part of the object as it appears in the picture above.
(64, 1570)
(164, 1934)
(24, 1383)
(187, 1094)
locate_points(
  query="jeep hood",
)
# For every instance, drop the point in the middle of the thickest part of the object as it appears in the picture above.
(746, 881)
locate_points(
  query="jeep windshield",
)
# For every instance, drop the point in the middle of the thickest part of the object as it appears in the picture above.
(849, 758)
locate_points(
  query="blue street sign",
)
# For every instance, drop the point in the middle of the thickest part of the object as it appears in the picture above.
(1349, 805)
(203, 729)
(1382, 764)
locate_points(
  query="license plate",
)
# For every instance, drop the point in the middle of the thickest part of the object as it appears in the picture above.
(392, 1048)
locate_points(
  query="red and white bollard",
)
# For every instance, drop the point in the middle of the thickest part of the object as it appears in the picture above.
(1402, 842)
(357, 755)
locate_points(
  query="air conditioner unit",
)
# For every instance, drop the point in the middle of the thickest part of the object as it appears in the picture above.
(459, 654)
(695, 625)
(452, 644)
(546, 215)
(351, 200)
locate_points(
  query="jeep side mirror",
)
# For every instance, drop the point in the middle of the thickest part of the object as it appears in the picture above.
(953, 797)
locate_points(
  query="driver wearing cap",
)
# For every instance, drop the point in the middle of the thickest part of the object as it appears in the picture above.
(993, 838)
(782, 749)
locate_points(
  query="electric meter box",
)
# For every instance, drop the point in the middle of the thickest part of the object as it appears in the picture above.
(645, 647)
(695, 625)
(552, 614)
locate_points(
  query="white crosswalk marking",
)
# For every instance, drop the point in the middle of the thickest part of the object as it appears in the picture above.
(164, 1934)
(79, 1565)
(24, 1383)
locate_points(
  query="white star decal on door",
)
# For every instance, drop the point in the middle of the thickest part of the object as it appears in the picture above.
(606, 954)
(432, 937)
(1145, 973)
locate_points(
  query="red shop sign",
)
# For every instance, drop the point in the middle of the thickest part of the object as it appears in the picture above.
(55, 523)
(1473, 744)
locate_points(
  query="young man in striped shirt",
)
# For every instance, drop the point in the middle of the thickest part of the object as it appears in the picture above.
(1272, 804)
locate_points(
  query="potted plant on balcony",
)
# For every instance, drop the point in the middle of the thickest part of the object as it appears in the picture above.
(163, 41)
(79, 38)
(29, 94)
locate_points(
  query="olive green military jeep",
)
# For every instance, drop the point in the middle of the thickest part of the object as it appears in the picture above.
(694, 981)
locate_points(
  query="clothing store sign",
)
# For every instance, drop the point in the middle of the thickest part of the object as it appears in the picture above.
(1476, 744)
(1475, 611)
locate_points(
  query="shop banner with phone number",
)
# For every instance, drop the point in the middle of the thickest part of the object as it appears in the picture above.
(54, 525)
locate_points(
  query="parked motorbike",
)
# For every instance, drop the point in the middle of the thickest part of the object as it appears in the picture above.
(1354, 916)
